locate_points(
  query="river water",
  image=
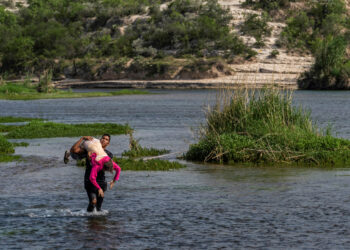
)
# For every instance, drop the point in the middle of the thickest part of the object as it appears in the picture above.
(43, 201)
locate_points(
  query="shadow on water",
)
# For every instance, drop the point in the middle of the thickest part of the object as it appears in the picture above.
(96, 224)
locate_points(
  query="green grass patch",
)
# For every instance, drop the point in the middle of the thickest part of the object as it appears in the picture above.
(6, 150)
(264, 127)
(22, 91)
(141, 165)
(9, 158)
(141, 152)
(9, 119)
(7, 128)
(38, 129)
(20, 144)
(6, 147)
(149, 165)
(136, 150)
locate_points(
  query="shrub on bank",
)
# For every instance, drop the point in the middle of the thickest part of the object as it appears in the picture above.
(268, 5)
(264, 127)
(319, 20)
(331, 69)
(256, 26)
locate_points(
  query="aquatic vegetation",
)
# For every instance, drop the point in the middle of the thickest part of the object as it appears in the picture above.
(9, 158)
(149, 165)
(136, 150)
(20, 144)
(6, 147)
(264, 127)
(141, 152)
(6, 150)
(141, 165)
(7, 128)
(39, 129)
(22, 91)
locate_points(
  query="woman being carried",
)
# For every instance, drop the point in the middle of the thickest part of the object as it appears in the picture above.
(99, 161)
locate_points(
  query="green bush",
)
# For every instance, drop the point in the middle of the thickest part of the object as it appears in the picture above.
(319, 20)
(274, 53)
(256, 26)
(298, 32)
(268, 5)
(331, 69)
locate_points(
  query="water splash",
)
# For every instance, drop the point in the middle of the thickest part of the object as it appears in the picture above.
(54, 213)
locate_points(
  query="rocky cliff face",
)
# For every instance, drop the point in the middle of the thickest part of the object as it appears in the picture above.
(283, 69)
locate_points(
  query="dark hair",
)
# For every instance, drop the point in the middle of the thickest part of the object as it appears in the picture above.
(108, 166)
(109, 136)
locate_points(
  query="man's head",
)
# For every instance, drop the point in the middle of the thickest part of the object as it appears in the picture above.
(105, 139)
(108, 166)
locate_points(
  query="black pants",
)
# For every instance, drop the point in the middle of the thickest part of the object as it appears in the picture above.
(92, 193)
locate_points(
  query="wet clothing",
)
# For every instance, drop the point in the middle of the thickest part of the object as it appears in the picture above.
(97, 167)
(91, 190)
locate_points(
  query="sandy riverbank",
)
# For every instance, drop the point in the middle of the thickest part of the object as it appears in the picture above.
(289, 81)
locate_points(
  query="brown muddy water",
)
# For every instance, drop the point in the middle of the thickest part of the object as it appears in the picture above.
(43, 201)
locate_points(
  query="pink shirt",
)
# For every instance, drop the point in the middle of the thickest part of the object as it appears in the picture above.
(97, 166)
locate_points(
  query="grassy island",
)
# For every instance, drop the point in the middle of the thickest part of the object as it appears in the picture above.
(149, 165)
(137, 151)
(38, 129)
(264, 127)
(23, 91)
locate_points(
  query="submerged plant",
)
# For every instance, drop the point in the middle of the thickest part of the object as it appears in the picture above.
(264, 126)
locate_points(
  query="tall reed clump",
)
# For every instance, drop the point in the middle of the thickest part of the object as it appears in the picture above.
(264, 127)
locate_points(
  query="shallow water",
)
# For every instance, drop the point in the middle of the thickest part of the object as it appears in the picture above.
(200, 207)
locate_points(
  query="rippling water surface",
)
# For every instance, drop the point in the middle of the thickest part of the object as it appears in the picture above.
(43, 201)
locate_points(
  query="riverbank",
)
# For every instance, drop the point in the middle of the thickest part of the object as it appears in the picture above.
(238, 80)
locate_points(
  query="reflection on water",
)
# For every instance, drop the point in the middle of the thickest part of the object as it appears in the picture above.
(43, 200)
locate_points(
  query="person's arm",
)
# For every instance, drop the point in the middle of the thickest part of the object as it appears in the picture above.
(116, 176)
(76, 149)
